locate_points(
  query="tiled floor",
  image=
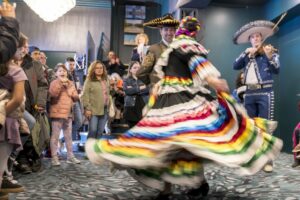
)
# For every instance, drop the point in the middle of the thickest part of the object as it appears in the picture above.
(87, 181)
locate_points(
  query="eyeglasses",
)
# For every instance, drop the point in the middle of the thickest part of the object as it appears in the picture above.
(43, 58)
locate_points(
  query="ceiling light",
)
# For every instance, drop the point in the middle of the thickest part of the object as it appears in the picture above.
(50, 10)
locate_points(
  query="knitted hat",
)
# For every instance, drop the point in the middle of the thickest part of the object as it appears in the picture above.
(265, 28)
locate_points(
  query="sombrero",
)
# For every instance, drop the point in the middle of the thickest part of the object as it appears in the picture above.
(265, 28)
(167, 20)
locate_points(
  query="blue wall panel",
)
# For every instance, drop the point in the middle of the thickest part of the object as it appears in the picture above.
(289, 116)
(274, 8)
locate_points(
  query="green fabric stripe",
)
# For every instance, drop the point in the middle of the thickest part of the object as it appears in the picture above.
(267, 146)
(97, 148)
(247, 144)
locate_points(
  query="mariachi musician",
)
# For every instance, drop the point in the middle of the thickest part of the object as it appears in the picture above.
(259, 63)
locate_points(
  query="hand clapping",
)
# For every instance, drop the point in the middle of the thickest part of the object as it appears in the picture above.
(64, 81)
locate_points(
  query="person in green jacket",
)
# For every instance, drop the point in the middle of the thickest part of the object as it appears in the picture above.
(95, 98)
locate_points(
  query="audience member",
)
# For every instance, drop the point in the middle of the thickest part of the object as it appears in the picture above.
(9, 32)
(77, 113)
(49, 73)
(114, 65)
(136, 95)
(34, 53)
(140, 51)
(63, 94)
(36, 90)
(95, 98)
(12, 80)
(167, 28)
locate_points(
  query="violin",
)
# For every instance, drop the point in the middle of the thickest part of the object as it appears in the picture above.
(260, 50)
(273, 49)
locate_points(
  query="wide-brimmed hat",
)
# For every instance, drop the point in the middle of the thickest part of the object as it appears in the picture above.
(265, 28)
(167, 20)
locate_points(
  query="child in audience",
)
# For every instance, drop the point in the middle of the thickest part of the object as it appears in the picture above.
(12, 80)
(63, 94)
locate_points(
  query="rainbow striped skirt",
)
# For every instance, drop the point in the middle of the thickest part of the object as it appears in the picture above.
(180, 132)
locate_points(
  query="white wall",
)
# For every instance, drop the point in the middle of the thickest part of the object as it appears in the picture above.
(69, 32)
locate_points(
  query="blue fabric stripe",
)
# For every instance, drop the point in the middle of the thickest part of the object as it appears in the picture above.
(160, 135)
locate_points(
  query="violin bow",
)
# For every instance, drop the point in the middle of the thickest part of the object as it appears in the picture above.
(275, 26)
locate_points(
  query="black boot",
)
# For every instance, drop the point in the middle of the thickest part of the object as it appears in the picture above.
(296, 163)
(36, 165)
(3, 196)
(202, 190)
(9, 186)
(162, 196)
(24, 168)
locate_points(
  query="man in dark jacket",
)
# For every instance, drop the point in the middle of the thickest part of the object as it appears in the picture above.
(113, 64)
(167, 26)
(76, 109)
(9, 32)
(36, 89)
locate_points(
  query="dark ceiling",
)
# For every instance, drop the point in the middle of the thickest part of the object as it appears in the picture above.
(230, 3)
(241, 2)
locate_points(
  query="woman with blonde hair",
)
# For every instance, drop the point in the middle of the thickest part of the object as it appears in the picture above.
(140, 51)
(95, 98)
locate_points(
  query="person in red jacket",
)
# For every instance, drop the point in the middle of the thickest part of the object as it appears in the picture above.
(63, 94)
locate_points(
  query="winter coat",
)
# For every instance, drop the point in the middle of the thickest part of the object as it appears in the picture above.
(131, 88)
(92, 96)
(62, 98)
(36, 87)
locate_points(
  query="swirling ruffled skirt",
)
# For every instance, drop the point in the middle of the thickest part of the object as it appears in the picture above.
(182, 130)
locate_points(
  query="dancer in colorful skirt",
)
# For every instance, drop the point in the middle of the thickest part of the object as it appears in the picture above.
(186, 125)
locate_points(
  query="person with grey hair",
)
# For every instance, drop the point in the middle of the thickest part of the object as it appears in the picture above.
(49, 72)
